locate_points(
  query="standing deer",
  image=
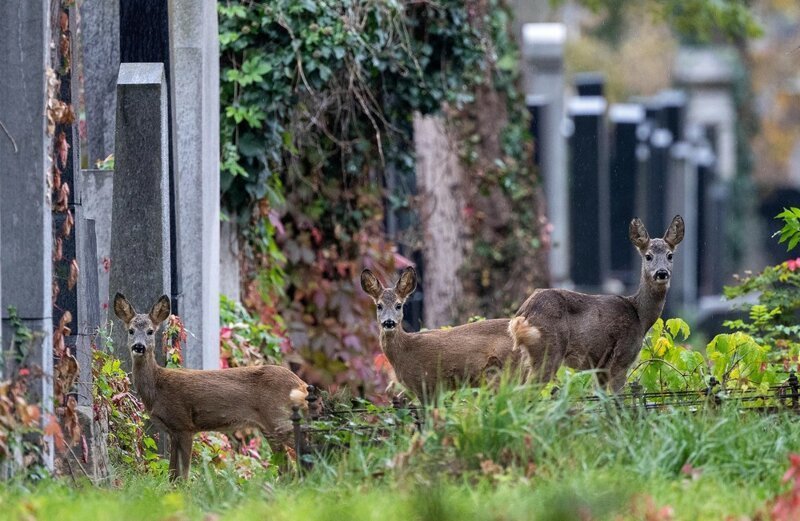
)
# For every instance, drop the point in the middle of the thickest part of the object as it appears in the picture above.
(602, 332)
(440, 358)
(184, 401)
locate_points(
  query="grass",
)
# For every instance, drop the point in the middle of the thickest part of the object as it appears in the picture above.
(486, 455)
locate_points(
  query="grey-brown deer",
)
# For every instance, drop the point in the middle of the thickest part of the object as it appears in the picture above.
(184, 401)
(601, 332)
(440, 358)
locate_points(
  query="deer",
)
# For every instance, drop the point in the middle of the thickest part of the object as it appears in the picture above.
(599, 332)
(436, 359)
(183, 402)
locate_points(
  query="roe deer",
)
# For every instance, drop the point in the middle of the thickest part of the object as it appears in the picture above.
(602, 332)
(440, 358)
(184, 401)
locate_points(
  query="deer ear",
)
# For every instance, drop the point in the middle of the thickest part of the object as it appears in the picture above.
(371, 285)
(674, 234)
(638, 234)
(160, 310)
(407, 283)
(123, 309)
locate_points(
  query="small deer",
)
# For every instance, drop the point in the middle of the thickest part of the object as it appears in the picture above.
(440, 358)
(601, 332)
(184, 401)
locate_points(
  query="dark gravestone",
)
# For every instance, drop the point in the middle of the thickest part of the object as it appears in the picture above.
(773, 203)
(655, 182)
(703, 159)
(589, 245)
(140, 223)
(537, 106)
(673, 104)
(623, 165)
(589, 83)
(25, 210)
(144, 38)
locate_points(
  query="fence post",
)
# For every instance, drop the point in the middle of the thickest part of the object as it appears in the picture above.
(712, 382)
(637, 395)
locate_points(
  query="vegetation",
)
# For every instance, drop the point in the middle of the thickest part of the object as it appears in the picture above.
(487, 455)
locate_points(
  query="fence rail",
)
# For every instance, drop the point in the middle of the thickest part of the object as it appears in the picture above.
(315, 432)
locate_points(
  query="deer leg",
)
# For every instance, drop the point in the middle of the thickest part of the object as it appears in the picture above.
(543, 360)
(181, 455)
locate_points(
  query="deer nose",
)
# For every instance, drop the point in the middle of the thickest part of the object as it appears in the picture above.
(662, 275)
(137, 348)
(389, 324)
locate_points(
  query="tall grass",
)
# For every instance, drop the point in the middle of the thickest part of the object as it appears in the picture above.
(504, 453)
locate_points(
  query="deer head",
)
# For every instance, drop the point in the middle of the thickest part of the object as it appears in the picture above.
(389, 301)
(656, 253)
(141, 327)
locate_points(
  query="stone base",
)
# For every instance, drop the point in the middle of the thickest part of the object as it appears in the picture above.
(89, 457)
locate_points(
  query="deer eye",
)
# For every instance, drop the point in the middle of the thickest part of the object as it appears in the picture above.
(398, 306)
(380, 307)
(669, 256)
(150, 332)
(130, 331)
(648, 257)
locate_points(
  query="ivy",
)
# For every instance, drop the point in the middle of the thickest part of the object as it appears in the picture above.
(318, 101)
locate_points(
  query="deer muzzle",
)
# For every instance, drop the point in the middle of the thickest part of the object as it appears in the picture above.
(137, 349)
(389, 324)
(661, 275)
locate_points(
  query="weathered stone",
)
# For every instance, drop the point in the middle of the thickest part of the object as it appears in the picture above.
(25, 212)
(88, 308)
(140, 230)
(97, 195)
(543, 71)
(100, 52)
(194, 62)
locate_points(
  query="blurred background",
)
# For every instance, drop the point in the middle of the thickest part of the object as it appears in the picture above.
(498, 147)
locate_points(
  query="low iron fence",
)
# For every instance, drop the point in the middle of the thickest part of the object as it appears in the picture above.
(329, 427)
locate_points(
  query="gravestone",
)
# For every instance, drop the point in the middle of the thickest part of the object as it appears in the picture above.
(589, 83)
(194, 62)
(96, 201)
(140, 223)
(26, 259)
(543, 72)
(707, 74)
(624, 120)
(588, 194)
(101, 58)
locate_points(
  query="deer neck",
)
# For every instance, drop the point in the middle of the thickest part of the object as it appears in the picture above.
(392, 342)
(649, 301)
(145, 376)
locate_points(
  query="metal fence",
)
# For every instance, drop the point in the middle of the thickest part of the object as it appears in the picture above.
(329, 427)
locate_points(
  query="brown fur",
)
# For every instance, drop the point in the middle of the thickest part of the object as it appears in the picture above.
(602, 332)
(426, 361)
(184, 401)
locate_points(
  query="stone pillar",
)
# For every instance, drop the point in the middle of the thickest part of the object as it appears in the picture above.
(707, 73)
(96, 202)
(100, 52)
(140, 224)
(25, 209)
(588, 194)
(624, 119)
(230, 282)
(439, 179)
(194, 60)
(543, 69)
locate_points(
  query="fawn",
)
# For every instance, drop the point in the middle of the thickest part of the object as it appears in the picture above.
(602, 332)
(440, 358)
(184, 401)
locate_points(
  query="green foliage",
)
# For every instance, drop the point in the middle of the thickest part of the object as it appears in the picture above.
(697, 21)
(129, 444)
(244, 339)
(318, 104)
(790, 233)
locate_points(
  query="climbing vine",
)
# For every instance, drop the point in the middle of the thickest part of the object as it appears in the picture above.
(318, 101)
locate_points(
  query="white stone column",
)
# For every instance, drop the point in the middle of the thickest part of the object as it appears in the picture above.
(543, 71)
(194, 60)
